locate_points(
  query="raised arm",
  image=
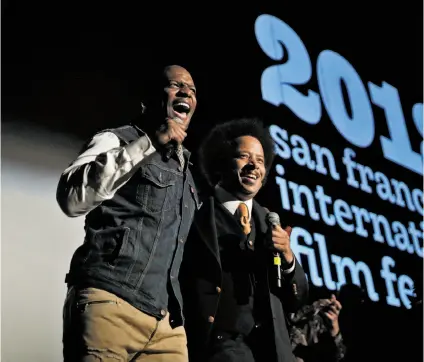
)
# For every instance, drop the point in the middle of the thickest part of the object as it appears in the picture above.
(99, 171)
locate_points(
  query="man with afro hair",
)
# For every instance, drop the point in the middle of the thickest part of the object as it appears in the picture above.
(234, 308)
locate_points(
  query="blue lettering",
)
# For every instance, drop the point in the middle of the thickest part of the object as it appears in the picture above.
(332, 70)
(275, 38)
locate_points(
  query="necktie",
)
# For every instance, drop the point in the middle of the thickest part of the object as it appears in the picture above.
(179, 152)
(244, 217)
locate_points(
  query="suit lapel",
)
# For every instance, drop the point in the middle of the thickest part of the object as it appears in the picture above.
(259, 214)
(205, 223)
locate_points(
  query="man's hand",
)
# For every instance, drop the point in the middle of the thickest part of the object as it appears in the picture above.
(171, 130)
(332, 312)
(281, 243)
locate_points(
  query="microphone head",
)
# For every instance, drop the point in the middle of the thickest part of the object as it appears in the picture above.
(273, 218)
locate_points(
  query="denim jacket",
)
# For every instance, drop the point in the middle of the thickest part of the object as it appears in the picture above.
(134, 242)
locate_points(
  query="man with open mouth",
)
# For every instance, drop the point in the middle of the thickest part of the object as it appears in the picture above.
(137, 193)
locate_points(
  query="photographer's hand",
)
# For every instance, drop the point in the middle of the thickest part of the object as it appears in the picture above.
(332, 312)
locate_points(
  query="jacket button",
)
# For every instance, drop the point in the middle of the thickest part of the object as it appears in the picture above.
(163, 312)
(211, 319)
(218, 290)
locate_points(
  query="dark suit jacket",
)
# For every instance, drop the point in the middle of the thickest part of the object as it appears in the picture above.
(201, 277)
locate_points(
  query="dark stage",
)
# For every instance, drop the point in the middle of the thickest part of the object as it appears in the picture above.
(326, 76)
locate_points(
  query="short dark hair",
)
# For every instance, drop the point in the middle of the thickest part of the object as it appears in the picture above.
(217, 147)
(152, 95)
(152, 88)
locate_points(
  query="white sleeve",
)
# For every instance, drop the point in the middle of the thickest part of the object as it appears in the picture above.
(99, 171)
(291, 269)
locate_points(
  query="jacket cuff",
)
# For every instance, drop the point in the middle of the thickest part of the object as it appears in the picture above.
(290, 268)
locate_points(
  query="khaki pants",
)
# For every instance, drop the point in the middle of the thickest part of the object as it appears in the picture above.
(99, 326)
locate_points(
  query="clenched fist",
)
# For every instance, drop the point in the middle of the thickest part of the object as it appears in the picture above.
(281, 242)
(172, 130)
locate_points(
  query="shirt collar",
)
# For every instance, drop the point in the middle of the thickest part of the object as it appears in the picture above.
(230, 202)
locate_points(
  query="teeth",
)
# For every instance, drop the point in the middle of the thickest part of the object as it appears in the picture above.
(251, 176)
(184, 105)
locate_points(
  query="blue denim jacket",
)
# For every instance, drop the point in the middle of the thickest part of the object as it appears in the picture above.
(134, 242)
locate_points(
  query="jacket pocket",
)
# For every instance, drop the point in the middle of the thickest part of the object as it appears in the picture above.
(156, 191)
(110, 244)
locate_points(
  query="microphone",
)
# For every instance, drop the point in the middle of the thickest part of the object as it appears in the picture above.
(172, 145)
(273, 219)
(169, 149)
